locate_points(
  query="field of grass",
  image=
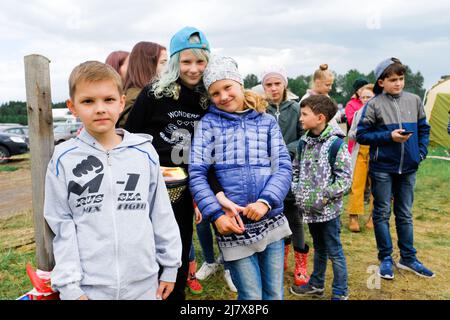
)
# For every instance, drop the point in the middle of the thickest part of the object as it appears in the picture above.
(432, 241)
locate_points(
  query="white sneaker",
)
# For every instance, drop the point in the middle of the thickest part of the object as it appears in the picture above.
(206, 270)
(227, 276)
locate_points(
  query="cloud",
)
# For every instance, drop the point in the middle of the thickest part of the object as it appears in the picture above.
(299, 34)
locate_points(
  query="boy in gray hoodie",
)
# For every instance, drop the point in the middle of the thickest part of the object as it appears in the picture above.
(105, 199)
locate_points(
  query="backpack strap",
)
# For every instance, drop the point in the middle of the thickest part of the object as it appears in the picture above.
(332, 153)
(300, 147)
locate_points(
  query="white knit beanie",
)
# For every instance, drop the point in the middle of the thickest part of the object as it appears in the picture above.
(221, 68)
(274, 71)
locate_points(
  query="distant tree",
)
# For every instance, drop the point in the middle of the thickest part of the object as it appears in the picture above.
(250, 81)
(344, 85)
(299, 85)
(59, 105)
(414, 82)
(16, 111)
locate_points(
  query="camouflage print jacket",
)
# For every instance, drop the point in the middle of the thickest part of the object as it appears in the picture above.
(319, 191)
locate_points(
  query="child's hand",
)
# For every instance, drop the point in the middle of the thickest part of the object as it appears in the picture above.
(255, 211)
(164, 289)
(227, 204)
(83, 297)
(198, 215)
(227, 225)
(231, 209)
(397, 137)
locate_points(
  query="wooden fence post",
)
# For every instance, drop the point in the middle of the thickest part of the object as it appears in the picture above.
(40, 122)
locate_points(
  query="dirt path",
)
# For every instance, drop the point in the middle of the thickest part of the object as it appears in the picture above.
(15, 188)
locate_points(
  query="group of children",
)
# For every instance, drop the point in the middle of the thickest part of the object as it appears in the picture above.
(259, 167)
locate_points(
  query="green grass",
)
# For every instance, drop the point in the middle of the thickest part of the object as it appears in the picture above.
(431, 235)
(6, 168)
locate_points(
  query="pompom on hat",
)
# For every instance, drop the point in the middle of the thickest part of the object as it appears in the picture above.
(221, 68)
(274, 71)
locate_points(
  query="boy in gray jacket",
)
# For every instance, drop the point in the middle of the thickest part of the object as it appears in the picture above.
(105, 199)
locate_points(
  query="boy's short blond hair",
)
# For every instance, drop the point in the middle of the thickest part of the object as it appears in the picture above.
(93, 71)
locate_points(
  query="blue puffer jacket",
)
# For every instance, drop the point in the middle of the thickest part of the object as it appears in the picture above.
(249, 156)
(385, 113)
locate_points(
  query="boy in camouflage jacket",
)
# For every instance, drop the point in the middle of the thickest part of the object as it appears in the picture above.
(319, 186)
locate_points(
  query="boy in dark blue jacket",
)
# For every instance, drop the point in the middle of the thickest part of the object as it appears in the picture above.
(393, 123)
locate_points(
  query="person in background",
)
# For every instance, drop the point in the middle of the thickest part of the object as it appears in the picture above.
(322, 83)
(360, 165)
(287, 113)
(119, 61)
(354, 105)
(145, 63)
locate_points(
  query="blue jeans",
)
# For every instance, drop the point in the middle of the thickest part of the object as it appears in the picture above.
(205, 237)
(260, 276)
(327, 245)
(401, 188)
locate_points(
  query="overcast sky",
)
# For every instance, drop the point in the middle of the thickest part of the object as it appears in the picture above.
(299, 34)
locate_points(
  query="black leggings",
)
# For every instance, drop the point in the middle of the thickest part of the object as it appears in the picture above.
(184, 215)
(296, 225)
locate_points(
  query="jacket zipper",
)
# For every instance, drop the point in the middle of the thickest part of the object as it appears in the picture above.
(402, 145)
(277, 113)
(116, 244)
(247, 161)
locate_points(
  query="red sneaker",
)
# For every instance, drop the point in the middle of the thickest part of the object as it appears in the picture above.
(194, 286)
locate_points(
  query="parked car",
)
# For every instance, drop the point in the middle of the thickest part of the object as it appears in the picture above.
(10, 145)
(16, 129)
(65, 131)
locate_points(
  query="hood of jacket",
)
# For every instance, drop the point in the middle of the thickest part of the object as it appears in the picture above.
(327, 133)
(128, 139)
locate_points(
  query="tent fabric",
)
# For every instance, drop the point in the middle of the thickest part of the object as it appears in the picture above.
(439, 120)
(437, 105)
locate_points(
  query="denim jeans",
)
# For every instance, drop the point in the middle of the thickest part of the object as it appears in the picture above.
(260, 276)
(327, 245)
(401, 188)
(205, 237)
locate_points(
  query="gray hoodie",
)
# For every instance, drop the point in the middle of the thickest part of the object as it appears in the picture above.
(113, 223)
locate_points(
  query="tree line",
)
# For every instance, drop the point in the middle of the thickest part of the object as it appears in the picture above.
(16, 111)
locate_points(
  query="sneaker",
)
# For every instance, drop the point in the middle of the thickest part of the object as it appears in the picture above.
(337, 297)
(387, 268)
(206, 270)
(229, 281)
(307, 289)
(194, 286)
(417, 267)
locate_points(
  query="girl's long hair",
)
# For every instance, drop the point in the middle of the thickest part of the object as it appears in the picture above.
(255, 101)
(142, 64)
(116, 59)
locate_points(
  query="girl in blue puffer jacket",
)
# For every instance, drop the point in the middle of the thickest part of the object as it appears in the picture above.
(246, 149)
